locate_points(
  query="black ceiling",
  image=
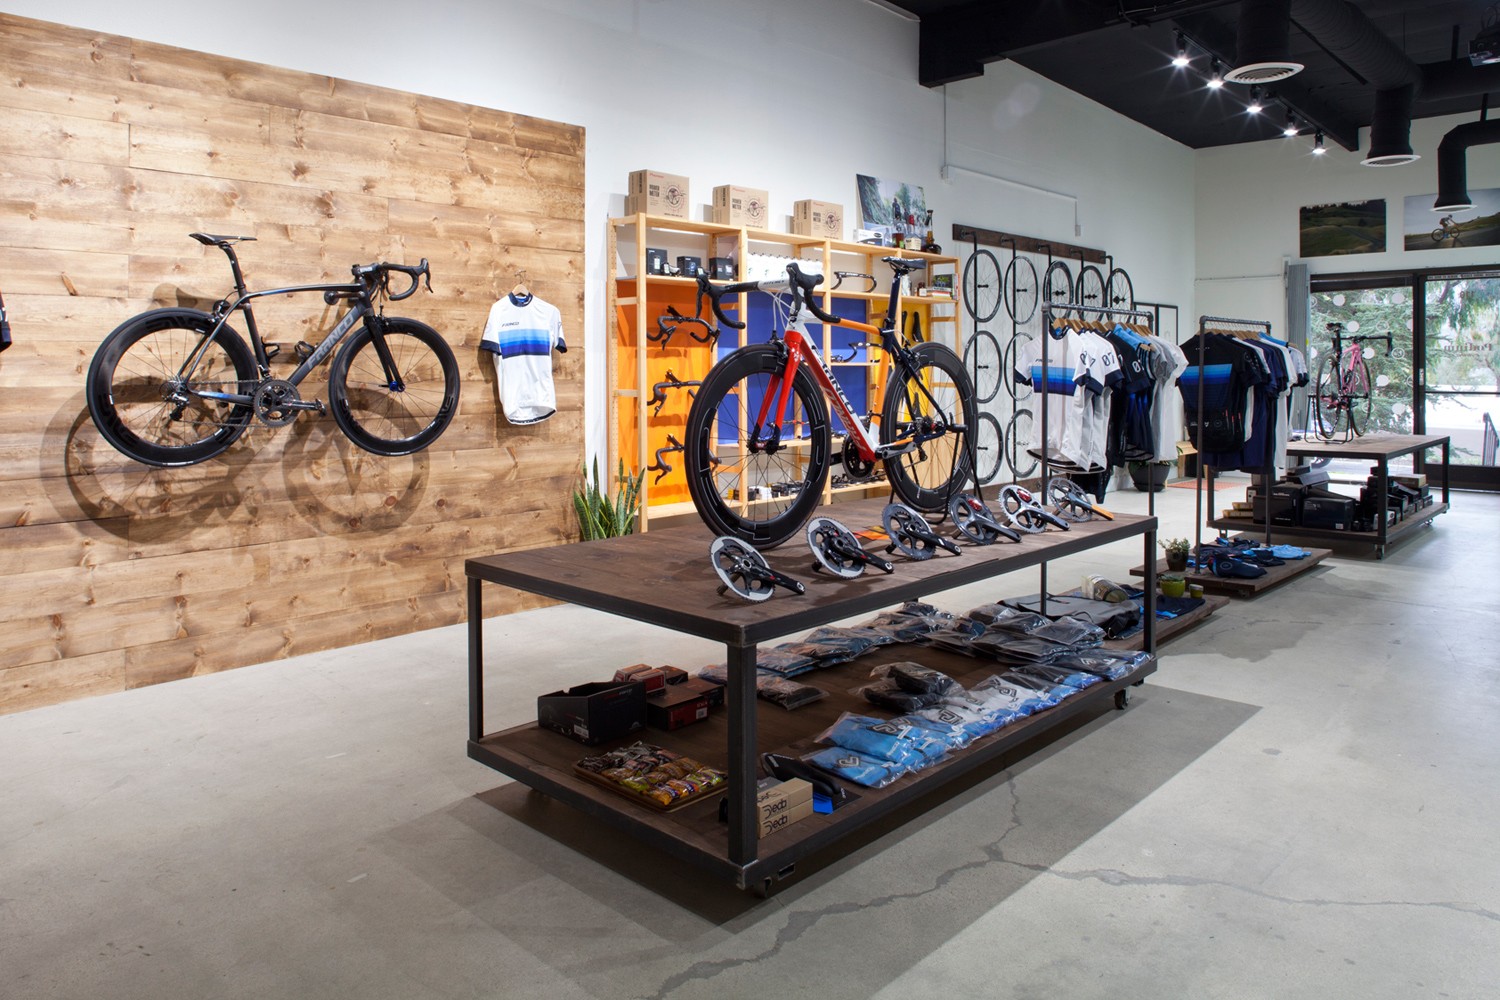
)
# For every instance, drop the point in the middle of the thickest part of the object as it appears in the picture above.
(1118, 52)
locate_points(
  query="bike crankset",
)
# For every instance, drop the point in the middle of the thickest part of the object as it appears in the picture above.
(745, 572)
(910, 534)
(1069, 500)
(276, 402)
(976, 522)
(856, 468)
(837, 550)
(1025, 513)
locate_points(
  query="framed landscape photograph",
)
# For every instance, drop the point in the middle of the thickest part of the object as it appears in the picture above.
(1346, 227)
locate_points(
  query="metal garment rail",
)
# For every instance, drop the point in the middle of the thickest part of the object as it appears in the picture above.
(1065, 313)
(1268, 471)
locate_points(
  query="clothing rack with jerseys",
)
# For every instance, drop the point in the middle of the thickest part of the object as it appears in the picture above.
(1229, 385)
(1071, 317)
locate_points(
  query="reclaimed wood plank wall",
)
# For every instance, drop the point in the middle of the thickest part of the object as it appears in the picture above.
(114, 575)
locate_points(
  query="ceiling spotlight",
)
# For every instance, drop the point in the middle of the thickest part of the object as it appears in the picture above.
(1217, 79)
(1255, 106)
(1180, 60)
(1291, 127)
(1318, 149)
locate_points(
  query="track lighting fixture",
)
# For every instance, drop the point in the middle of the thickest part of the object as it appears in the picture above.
(1318, 149)
(1180, 60)
(1290, 131)
(1217, 79)
(1256, 105)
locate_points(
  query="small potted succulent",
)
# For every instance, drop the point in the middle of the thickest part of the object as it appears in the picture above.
(1172, 584)
(1177, 553)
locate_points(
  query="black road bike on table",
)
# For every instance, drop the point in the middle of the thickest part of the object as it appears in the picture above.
(174, 387)
(759, 438)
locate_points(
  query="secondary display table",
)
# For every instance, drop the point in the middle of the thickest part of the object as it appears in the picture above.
(665, 579)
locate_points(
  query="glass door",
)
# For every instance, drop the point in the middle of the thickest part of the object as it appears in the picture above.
(1384, 309)
(1459, 381)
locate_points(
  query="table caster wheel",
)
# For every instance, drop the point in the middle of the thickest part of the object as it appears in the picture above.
(1122, 698)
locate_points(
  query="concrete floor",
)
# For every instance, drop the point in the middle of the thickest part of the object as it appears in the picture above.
(1302, 803)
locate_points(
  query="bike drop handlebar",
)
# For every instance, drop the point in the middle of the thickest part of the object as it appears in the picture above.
(379, 273)
(801, 286)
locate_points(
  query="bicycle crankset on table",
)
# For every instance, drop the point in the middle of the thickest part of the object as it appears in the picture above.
(837, 550)
(1071, 502)
(976, 522)
(745, 572)
(1025, 513)
(911, 535)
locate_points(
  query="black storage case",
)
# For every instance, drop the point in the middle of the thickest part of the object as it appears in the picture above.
(1328, 511)
(1286, 504)
(594, 713)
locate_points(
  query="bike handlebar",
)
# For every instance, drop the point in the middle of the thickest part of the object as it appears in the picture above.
(379, 273)
(801, 286)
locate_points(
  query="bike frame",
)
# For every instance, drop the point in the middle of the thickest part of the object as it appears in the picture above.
(364, 308)
(800, 351)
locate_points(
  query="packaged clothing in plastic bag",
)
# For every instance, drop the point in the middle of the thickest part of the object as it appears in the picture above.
(1009, 648)
(1077, 679)
(1012, 620)
(888, 739)
(785, 662)
(954, 736)
(1001, 695)
(787, 694)
(975, 720)
(1071, 632)
(828, 646)
(916, 678)
(860, 768)
(1108, 663)
(1050, 692)
(1034, 696)
(888, 694)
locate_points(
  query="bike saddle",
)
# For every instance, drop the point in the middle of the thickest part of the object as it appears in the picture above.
(210, 240)
(904, 265)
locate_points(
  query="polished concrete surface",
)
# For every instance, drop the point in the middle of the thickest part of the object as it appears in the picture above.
(1302, 803)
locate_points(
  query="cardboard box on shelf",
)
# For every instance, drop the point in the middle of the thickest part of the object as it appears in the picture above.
(594, 713)
(822, 219)
(782, 803)
(741, 206)
(683, 704)
(657, 193)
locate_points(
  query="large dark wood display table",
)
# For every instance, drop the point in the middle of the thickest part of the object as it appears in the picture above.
(664, 578)
(1380, 448)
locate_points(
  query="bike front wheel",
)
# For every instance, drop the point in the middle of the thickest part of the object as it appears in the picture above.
(982, 360)
(935, 393)
(989, 448)
(148, 409)
(402, 409)
(981, 284)
(1359, 396)
(741, 487)
(1017, 442)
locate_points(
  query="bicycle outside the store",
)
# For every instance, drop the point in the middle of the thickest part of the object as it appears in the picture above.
(1342, 394)
(174, 387)
(759, 439)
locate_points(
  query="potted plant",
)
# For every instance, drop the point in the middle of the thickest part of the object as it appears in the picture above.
(1149, 477)
(1177, 553)
(1172, 584)
(603, 516)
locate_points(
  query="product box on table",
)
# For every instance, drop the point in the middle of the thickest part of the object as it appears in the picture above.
(822, 219)
(1286, 504)
(657, 193)
(741, 206)
(781, 803)
(683, 704)
(594, 713)
(1327, 511)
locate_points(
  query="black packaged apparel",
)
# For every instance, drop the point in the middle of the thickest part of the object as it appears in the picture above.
(887, 694)
(1071, 632)
(918, 679)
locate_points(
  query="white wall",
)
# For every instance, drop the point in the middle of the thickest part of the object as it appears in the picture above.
(1248, 198)
(795, 96)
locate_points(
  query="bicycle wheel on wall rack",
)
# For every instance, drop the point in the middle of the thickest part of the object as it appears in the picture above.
(1021, 290)
(1057, 287)
(981, 284)
(1017, 440)
(1017, 390)
(989, 448)
(938, 390)
(738, 487)
(1119, 293)
(982, 362)
(1089, 290)
(387, 421)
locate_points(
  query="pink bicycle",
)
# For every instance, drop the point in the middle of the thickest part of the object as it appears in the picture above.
(1342, 394)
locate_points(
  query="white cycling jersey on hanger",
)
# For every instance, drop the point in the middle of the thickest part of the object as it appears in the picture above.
(521, 333)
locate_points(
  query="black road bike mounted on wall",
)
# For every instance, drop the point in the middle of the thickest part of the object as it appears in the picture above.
(175, 387)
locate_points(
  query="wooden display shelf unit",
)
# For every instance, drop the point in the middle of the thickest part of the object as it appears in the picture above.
(665, 579)
(1242, 586)
(636, 299)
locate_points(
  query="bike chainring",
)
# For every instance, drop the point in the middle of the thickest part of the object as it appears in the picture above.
(834, 547)
(974, 520)
(856, 468)
(745, 572)
(909, 532)
(273, 401)
(1069, 500)
(1021, 509)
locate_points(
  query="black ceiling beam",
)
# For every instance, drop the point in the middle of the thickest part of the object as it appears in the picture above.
(1211, 35)
(955, 43)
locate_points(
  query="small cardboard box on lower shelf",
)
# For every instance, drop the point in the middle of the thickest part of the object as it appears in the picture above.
(822, 219)
(594, 713)
(683, 704)
(781, 803)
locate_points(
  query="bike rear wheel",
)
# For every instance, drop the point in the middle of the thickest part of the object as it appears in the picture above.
(1021, 290)
(386, 416)
(146, 411)
(936, 391)
(1328, 408)
(1057, 288)
(773, 493)
(1090, 288)
(982, 361)
(1119, 293)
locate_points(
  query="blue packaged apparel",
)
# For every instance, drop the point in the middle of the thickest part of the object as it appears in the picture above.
(1109, 663)
(960, 712)
(883, 738)
(998, 693)
(862, 769)
(1049, 691)
(1077, 679)
(954, 737)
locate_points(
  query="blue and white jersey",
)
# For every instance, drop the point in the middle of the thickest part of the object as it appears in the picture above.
(521, 333)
